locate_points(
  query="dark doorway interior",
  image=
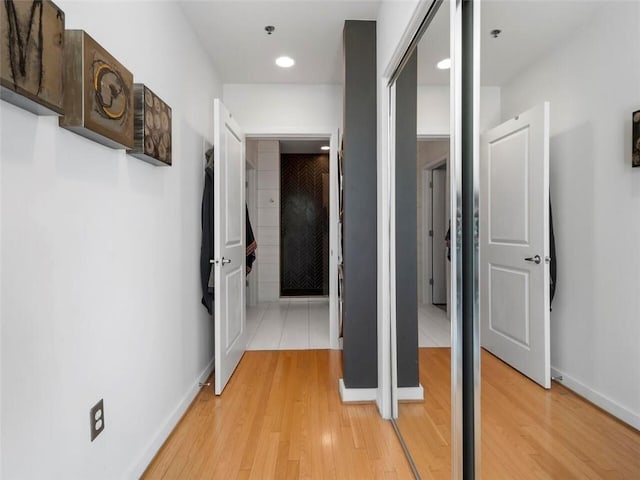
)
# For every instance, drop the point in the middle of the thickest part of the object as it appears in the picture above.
(304, 224)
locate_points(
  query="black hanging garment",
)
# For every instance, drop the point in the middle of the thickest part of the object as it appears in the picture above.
(552, 263)
(251, 243)
(206, 250)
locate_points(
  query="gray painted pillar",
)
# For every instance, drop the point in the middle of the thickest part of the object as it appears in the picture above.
(406, 223)
(360, 341)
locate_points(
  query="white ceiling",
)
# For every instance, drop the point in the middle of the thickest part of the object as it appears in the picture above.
(310, 31)
(529, 31)
(232, 32)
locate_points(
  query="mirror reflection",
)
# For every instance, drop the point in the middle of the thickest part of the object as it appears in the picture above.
(426, 425)
(560, 366)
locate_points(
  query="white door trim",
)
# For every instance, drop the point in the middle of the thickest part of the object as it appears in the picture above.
(252, 297)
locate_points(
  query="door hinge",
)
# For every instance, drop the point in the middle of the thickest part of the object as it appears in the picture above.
(430, 184)
(431, 233)
(431, 281)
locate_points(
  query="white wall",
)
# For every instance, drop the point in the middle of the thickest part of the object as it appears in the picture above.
(100, 265)
(434, 109)
(593, 84)
(285, 109)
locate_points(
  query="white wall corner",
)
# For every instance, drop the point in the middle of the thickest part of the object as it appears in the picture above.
(165, 430)
(607, 404)
(356, 395)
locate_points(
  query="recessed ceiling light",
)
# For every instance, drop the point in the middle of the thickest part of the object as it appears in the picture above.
(444, 64)
(324, 147)
(285, 62)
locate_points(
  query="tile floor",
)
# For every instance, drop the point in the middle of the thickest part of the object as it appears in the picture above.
(304, 325)
(289, 325)
(434, 328)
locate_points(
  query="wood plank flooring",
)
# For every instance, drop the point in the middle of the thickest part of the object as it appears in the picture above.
(281, 417)
(527, 432)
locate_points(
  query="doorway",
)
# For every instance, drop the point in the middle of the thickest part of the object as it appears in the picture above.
(293, 204)
(434, 327)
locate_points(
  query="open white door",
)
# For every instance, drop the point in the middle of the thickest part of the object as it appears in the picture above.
(514, 243)
(229, 236)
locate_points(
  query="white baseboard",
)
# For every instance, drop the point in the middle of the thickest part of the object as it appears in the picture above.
(356, 395)
(411, 394)
(170, 424)
(605, 403)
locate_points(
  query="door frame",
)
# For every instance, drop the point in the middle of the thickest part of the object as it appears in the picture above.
(427, 217)
(333, 136)
(436, 281)
(252, 282)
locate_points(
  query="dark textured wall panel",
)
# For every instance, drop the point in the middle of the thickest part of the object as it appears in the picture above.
(304, 224)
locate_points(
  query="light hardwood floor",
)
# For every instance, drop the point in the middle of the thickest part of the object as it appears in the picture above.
(281, 417)
(527, 432)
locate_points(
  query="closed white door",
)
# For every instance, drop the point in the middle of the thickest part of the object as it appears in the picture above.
(514, 243)
(229, 234)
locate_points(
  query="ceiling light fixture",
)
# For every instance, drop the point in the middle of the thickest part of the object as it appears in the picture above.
(444, 64)
(324, 147)
(285, 62)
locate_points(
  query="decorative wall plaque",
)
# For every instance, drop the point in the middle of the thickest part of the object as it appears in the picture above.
(31, 55)
(152, 127)
(98, 99)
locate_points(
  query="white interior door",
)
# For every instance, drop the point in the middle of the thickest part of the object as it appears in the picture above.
(229, 234)
(514, 243)
(439, 230)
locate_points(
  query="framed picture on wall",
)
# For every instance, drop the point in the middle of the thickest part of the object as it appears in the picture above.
(31, 55)
(635, 149)
(152, 127)
(98, 96)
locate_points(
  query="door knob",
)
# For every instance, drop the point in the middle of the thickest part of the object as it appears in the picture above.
(228, 260)
(535, 259)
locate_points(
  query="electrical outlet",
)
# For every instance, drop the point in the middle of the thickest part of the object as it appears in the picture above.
(96, 419)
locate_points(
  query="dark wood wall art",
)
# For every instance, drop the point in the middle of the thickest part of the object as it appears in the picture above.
(635, 149)
(152, 127)
(31, 55)
(98, 100)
